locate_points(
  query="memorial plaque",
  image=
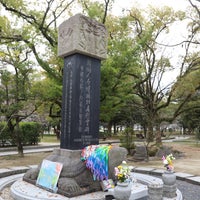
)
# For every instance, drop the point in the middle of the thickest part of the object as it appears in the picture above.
(81, 102)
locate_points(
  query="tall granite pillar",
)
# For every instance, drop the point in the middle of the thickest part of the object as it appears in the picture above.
(82, 42)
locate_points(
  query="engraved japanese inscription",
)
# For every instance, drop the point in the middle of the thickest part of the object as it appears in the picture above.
(83, 35)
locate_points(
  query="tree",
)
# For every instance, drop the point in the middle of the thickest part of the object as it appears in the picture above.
(188, 85)
(147, 84)
(37, 30)
(116, 84)
(17, 100)
(134, 70)
(50, 95)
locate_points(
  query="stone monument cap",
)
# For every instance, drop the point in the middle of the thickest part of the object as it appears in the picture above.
(80, 34)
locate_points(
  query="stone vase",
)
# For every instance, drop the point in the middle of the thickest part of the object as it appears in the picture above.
(169, 178)
(122, 191)
(169, 184)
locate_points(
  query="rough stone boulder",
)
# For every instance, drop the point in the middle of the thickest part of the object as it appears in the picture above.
(75, 179)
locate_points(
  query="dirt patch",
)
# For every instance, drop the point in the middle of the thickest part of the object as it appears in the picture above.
(188, 163)
(28, 159)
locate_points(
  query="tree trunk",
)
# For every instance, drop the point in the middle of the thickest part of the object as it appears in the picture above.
(19, 142)
(158, 135)
(145, 131)
(110, 128)
(150, 135)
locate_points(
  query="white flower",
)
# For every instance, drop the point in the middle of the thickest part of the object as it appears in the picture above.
(165, 162)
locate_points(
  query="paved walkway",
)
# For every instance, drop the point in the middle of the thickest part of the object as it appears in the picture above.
(189, 185)
(29, 149)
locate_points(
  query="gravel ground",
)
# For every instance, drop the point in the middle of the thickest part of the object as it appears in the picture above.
(5, 194)
(189, 191)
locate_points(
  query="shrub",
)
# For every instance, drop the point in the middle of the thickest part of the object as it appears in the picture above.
(30, 132)
(5, 136)
(127, 139)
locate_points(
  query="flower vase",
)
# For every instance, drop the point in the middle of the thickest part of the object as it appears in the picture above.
(122, 190)
(169, 178)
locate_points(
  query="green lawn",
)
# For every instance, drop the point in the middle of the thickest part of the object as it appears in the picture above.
(49, 139)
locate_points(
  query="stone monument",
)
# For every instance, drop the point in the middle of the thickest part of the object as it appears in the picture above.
(140, 153)
(82, 43)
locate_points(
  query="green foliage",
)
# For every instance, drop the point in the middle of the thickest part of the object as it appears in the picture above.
(189, 119)
(4, 25)
(198, 134)
(130, 77)
(127, 139)
(5, 135)
(30, 132)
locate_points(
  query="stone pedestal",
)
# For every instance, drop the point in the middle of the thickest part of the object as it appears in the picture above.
(169, 187)
(155, 192)
(122, 191)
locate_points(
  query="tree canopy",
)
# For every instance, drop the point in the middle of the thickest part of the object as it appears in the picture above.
(132, 77)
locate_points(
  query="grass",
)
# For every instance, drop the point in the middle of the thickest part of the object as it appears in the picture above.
(192, 142)
(28, 159)
(49, 139)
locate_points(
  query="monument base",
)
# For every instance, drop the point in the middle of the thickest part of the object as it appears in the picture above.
(75, 179)
(26, 191)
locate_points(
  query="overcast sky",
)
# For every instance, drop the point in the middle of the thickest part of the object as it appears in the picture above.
(127, 4)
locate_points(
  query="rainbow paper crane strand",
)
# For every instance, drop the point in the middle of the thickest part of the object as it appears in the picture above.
(97, 161)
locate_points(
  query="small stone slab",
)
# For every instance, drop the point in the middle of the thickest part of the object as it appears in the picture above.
(5, 172)
(19, 168)
(194, 180)
(146, 170)
(157, 172)
(32, 166)
(138, 191)
(146, 178)
(183, 176)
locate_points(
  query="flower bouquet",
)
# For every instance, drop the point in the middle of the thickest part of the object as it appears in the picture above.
(122, 172)
(167, 161)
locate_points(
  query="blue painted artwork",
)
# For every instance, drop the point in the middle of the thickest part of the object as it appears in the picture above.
(49, 175)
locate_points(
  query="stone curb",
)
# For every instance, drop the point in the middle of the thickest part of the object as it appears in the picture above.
(7, 181)
(179, 175)
(5, 172)
(43, 145)
(3, 149)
